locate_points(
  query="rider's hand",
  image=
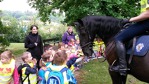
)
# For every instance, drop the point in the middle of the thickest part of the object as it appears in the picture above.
(126, 22)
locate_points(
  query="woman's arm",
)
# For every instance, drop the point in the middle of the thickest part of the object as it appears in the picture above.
(141, 17)
(28, 43)
(41, 44)
(64, 37)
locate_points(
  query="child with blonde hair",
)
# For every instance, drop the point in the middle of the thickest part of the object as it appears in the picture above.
(29, 72)
(8, 69)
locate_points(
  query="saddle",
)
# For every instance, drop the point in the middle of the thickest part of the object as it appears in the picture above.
(140, 46)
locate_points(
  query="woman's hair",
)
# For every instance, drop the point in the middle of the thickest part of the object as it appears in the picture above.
(69, 27)
(60, 57)
(7, 54)
(25, 55)
(33, 26)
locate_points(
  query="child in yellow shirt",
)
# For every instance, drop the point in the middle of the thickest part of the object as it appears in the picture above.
(8, 69)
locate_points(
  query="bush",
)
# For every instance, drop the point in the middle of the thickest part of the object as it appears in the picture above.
(3, 44)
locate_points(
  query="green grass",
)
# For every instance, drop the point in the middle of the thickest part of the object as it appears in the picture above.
(96, 72)
(17, 48)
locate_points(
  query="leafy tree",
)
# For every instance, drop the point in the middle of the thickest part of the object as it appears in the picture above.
(3, 40)
(16, 23)
(75, 9)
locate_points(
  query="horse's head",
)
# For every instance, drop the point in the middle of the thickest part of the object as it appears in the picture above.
(105, 27)
(85, 38)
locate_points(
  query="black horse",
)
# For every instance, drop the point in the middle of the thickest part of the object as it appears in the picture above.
(106, 28)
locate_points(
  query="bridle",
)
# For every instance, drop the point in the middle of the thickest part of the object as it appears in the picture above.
(90, 44)
(89, 37)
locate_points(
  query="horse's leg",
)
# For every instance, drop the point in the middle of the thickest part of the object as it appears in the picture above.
(117, 78)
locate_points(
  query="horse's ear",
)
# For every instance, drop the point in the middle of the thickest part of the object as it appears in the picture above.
(75, 23)
(80, 22)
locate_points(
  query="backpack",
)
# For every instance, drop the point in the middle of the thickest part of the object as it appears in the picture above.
(41, 73)
(20, 73)
(56, 77)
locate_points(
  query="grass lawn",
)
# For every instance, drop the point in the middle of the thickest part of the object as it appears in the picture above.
(17, 48)
(94, 72)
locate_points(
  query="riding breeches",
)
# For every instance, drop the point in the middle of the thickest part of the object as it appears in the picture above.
(133, 30)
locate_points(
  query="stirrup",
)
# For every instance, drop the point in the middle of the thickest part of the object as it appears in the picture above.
(127, 69)
(114, 68)
(117, 69)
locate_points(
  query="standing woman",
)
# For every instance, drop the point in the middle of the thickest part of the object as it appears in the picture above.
(34, 43)
(68, 35)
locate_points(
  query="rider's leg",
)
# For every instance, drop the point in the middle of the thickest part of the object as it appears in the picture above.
(121, 52)
(127, 34)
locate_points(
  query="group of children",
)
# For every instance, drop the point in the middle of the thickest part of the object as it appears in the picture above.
(52, 61)
(57, 66)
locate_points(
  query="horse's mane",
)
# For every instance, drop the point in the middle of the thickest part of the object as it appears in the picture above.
(104, 26)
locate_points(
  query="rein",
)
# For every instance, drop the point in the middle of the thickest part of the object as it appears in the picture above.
(86, 44)
(90, 43)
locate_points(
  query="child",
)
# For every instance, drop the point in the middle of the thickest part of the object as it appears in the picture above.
(71, 42)
(8, 68)
(61, 46)
(59, 63)
(45, 63)
(48, 47)
(102, 49)
(77, 44)
(74, 58)
(96, 48)
(29, 72)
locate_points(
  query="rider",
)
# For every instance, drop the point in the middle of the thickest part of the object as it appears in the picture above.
(140, 26)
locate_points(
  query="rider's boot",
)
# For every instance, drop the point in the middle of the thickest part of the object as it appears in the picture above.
(122, 66)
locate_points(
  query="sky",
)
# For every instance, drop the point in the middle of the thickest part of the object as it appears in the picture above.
(15, 5)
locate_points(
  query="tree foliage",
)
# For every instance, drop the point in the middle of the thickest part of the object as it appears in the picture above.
(3, 40)
(75, 9)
